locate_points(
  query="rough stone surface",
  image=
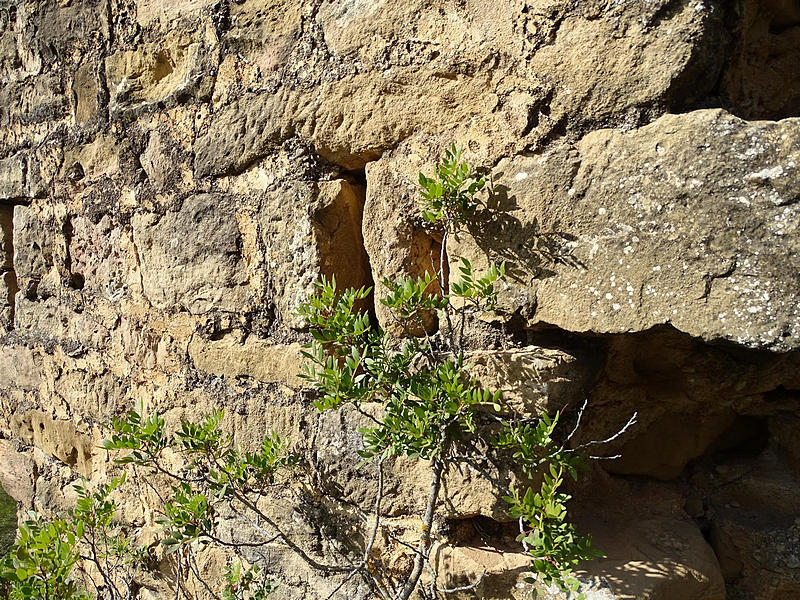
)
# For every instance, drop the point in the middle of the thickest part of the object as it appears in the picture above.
(760, 78)
(622, 231)
(687, 398)
(17, 473)
(175, 176)
(750, 510)
(264, 361)
(176, 69)
(192, 258)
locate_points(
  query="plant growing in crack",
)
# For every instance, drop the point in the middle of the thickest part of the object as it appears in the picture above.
(431, 407)
(420, 402)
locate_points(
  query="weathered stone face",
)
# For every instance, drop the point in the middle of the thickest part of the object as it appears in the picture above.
(676, 222)
(191, 258)
(175, 176)
(177, 69)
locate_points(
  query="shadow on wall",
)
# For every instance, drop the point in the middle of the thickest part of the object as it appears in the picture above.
(529, 250)
(762, 77)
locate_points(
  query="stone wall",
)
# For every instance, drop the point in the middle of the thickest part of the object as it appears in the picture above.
(175, 175)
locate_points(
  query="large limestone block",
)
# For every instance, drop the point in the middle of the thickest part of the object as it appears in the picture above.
(54, 30)
(691, 220)
(33, 102)
(259, 359)
(12, 178)
(191, 258)
(336, 76)
(148, 11)
(99, 261)
(751, 506)
(19, 368)
(39, 244)
(653, 551)
(302, 231)
(680, 222)
(16, 473)
(658, 559)
(640, 235)
(623, 61)
(532, 379)
(65, 319)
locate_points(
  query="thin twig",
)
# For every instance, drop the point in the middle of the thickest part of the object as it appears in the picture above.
(627, 426)
(377, 512)
(578, 420)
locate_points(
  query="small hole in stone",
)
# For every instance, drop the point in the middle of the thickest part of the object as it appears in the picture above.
(77, 281)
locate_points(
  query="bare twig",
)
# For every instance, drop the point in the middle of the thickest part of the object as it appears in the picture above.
(522, 531)
(376, 512)
(578, 420)
(628, 425)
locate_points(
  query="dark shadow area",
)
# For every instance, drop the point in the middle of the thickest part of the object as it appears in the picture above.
(761, 77)
(8, 276)
(340, 241)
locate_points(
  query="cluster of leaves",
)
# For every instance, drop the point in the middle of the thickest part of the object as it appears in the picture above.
(214, 476)
(114, 555)
(552, 542)
(246, 583)
(426, 402)
(215, 472)
(451, 195)
(40, 563)
(44, 560)
(481, 291)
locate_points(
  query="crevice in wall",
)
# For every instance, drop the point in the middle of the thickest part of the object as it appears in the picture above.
(340, 243)
(761, 74)
(8, 277)
(478, 530)
(75, 281)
